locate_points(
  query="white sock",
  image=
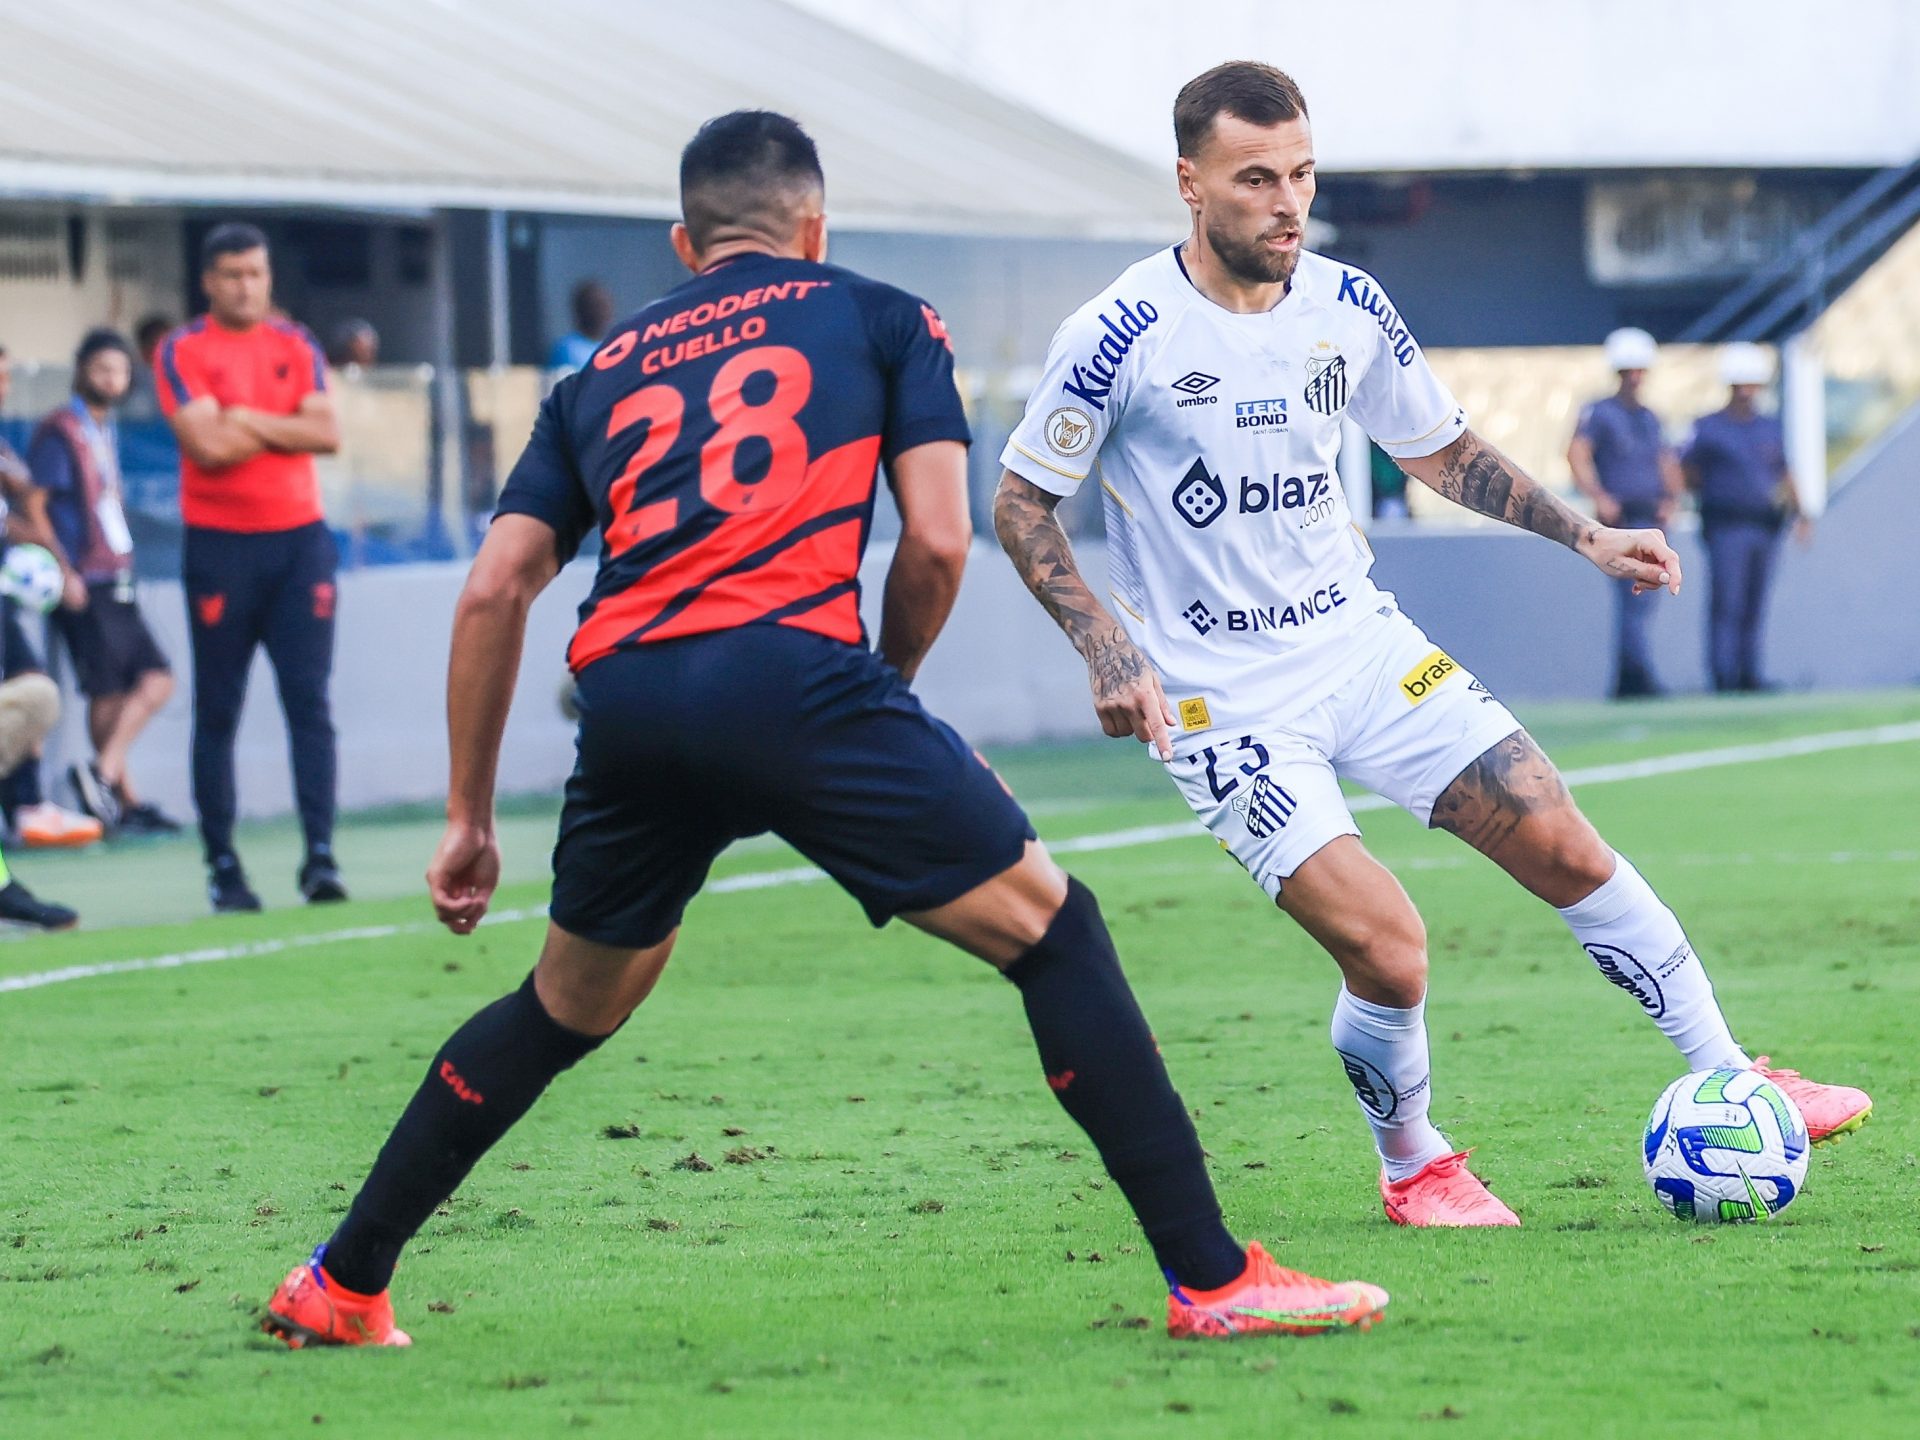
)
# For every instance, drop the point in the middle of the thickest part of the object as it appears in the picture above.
(1384, 1052)
(1638, 944)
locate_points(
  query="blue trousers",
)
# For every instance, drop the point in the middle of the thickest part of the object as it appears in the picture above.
(245, 591)
(1740, 556)
(1633, 654)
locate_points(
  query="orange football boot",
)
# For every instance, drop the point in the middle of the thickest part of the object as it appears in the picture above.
(310, 1308)
(1443, 1193)
(1270, 1300)
(1830, 1111)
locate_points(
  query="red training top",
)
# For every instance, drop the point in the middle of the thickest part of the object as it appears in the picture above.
(271, 368)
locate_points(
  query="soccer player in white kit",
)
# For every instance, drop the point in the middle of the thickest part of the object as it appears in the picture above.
(1254, 652)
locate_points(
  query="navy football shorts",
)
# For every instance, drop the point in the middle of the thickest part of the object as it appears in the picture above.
(688, 745)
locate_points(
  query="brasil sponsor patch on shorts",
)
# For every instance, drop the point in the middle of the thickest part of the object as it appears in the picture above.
(1194, 714)
(1426, 677)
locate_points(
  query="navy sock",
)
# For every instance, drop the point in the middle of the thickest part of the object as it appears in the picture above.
(1104, 1068)
(485, 1078)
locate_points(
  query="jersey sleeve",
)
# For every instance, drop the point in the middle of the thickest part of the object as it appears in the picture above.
(1400, 402)
(312, 360)
(1070, 411)
(177, 377)
(545, 483)
(923, 403)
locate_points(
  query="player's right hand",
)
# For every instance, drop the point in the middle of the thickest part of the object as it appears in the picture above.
(463, 875)
(1127, 694)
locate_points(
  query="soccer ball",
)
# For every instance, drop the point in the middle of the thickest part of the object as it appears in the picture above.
(1725, 1145)
(30, 576)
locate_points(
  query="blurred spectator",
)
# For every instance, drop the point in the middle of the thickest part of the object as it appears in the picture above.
(22, 711)
(592, 317)
(23, 520)
(1736, 462)
(356, 344)
(246, 395)
(1389, 485)
(148, 334)
(1622, 463)
(141, 402)
(75, 459)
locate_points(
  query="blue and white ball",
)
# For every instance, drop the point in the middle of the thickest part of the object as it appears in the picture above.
(1725, 1145)
(30, 576)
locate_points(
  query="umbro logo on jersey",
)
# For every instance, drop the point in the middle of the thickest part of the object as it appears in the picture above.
(1199, 498)
(1327, 384)
(1093, 381)
(1267, 807)
(1195, 384)
(1200, 617)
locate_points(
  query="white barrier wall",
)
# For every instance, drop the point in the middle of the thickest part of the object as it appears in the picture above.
(1002, 674)
(1530, 618)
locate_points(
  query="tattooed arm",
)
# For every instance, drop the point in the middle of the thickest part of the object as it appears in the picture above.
(1473, 473)
(1126, 692)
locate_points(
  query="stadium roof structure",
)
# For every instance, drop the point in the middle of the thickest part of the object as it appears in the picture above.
(577, 106)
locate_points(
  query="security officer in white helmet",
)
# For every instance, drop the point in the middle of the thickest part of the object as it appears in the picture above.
(1736, 463)
(1623, 464)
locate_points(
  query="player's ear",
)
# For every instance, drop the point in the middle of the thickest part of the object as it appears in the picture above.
(1183, 174)
(813, 238)
(684, 247)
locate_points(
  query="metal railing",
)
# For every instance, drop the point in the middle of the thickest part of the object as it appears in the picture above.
(1790, 293)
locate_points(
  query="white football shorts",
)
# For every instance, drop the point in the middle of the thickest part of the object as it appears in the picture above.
(1405, 726)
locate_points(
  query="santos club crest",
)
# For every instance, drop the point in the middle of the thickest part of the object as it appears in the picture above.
(1326, 381)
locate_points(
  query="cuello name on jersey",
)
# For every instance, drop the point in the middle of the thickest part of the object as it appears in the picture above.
(1093, 380)
(699, 318)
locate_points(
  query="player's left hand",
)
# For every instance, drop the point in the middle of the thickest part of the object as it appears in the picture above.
(463, 875)
(1642, 556)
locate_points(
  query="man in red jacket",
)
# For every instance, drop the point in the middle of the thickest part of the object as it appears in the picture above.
(246, 395)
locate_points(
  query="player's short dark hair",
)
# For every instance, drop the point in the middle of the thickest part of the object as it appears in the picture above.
(1245, 89)
(750, 169)
(231, 237)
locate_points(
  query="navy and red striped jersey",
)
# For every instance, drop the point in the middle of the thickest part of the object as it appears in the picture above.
(725, 443)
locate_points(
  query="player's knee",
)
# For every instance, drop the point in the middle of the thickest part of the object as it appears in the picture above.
(1386, 955)
(33, 701)
(1074, 930)
(157, 687)
(1570, 862)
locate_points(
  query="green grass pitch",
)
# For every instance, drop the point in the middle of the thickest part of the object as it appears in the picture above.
(817, 1186)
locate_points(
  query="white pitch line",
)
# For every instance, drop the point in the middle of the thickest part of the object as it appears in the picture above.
(1076, 845)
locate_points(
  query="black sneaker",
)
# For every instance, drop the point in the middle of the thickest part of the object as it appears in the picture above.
(147, 819)
(96, 796)
(17, 903)
(320, 879)
(227, 887)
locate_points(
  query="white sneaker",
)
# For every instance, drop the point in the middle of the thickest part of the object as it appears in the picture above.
(48, 826)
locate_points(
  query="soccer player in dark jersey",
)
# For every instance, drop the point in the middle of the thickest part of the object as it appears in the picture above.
(724, 444)
(246, 395)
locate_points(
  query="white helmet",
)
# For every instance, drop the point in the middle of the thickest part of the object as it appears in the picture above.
(1744, 363)
(1630, 349)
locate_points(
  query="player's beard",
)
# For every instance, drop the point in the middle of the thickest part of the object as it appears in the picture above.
(1252, 262)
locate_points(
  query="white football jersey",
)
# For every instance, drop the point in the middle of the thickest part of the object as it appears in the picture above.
(1231, 553)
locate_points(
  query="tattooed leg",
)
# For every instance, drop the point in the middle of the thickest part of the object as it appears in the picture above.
(1512, 806)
